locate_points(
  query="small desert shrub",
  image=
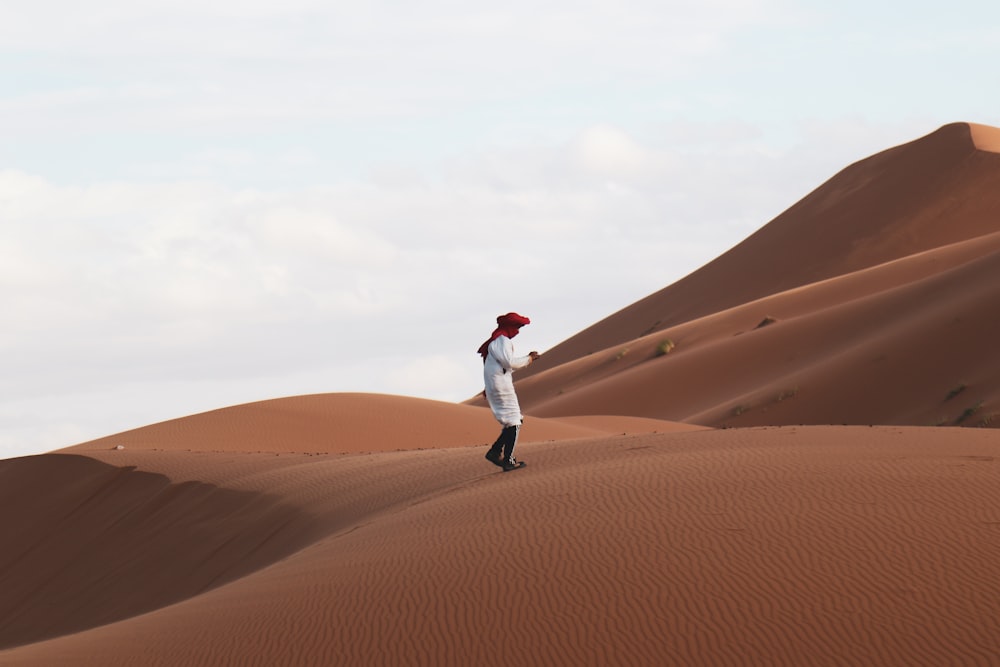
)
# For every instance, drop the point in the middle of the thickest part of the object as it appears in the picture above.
(788, 393)
(969, 412)
(739, 409)
(621, 353)
(955, 392)
(665, 347)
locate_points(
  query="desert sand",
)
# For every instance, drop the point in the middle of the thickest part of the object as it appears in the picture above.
(878, 288)
(807, 475)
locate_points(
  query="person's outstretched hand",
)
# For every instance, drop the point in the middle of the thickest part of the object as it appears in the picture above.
(534, 355)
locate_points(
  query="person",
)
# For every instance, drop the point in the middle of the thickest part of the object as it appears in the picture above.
(499, 364)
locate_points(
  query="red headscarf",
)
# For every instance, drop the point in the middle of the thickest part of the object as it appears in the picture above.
(507, 325)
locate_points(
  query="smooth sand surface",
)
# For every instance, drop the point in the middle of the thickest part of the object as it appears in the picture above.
(934, 191)
(674, 511)
(765, 546)
(879, 290)
(887, 345)
(985, 138)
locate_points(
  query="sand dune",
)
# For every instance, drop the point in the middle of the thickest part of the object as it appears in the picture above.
(880, 283)
(343, 423)
(934, 191)
(881, 346)
(771, 546)
(365, 529)
(985, 138)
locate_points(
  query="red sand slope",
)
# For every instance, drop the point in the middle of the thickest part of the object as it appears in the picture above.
(937, 190)
(888, 345)
(774, 546)
(879, 289)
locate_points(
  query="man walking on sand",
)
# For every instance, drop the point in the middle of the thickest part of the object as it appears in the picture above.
(499, 364)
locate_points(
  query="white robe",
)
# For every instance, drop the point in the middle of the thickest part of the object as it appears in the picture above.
(498, 372)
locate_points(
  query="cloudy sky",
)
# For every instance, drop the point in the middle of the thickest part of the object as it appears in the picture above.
(205, 203)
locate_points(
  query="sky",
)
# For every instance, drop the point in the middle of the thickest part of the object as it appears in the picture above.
(207, 203)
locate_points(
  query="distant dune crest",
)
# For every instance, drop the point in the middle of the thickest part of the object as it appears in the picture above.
(985, 138)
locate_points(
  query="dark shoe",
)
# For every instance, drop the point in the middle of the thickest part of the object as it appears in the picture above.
(512, 464)
(496, 458)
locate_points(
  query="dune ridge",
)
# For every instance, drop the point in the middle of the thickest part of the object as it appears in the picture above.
(985, 138)
(351, 423)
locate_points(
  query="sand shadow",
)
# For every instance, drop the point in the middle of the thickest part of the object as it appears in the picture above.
(86, 544)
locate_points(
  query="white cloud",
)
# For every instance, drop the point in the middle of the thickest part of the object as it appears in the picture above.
(387, 287)
(151, 66)
(608, 151)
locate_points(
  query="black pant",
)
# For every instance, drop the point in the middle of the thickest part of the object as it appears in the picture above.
(506, 442)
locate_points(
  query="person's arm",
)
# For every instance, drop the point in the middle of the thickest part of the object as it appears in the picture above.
(508, 360)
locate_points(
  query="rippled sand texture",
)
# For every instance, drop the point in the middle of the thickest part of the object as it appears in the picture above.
(768, 546)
